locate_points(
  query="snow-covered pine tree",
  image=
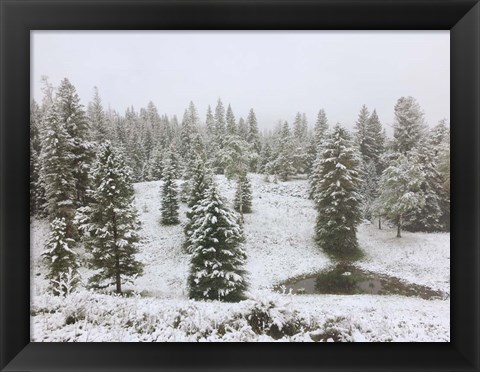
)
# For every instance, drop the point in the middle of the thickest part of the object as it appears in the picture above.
(242, 130)
(201, 181)
(319, 134)
(400, 189)
(284, 166)
(253, 138)
(362, 135)
(321, 128)
(110, 221)
(231, 123)
(337, 196)
(217, 263)
(169, 197)
(57, 174)
(73, 118)
(61, 259)
(243, 195)
(428, 218)
(376, 141)
(369, 190)
(408, 126)
(37, 190)
(154, 169)
(265, 158)
(97, 121)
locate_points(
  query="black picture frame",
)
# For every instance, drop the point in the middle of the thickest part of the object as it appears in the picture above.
(19, 17)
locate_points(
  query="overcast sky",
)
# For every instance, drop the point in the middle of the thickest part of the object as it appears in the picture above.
(276, 73)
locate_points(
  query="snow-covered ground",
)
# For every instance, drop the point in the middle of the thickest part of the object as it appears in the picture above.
(279, 244)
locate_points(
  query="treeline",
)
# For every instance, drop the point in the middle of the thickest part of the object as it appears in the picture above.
(83, 163)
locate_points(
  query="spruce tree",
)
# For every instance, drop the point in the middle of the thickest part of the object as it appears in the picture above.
(284, 163)
(362, 133)
(242, 129)
(57, 174)
(429, 218)
(231, 123)
(408, 126)
(319, 134)
(400, 189)
(110, 221)
(243, 195)
(337, 195)
(201, 181)
(61, 259)
(169, 197)
(73, 118)
(375, 142)
(97, 120)
(217, 263)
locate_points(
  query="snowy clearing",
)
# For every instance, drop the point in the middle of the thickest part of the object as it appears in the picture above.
(279, 245)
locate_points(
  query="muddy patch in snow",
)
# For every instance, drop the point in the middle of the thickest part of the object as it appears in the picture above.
(346, 279)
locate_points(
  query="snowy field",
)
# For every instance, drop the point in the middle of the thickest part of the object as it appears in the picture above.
(279, 245)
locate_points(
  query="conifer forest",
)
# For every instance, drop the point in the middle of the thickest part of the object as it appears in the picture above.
(211, 226)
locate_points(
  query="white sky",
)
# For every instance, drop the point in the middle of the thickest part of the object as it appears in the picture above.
(276, 73)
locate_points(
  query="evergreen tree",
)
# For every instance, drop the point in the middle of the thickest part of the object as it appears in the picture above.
(73, 118)
(169, 197)
(284, 164)
(243, 195)
(201, 181)
(337, 195)
(61, 259)
(110, 221)
(265, 158)
(96, 119)
(362, 133)
(37, 190)
(155, 165)
(231, 123)
(408, 126)
(210, 122)
(376, 141)
(253, 138)
(319, 133)
(217, 264)
(242, 130)
(369, 190)
(57, 174)
(400, 189)
(436, 205)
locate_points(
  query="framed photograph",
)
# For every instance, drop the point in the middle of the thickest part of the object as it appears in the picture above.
(255, 185)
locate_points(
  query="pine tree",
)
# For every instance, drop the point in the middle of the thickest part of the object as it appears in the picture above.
(253, 138)
(284, 164)
(201, 181)
(217, 264)
(376, 141)
(56, 172)
(72, 116)
(96, 119)
(337, 195)
(400, 189)
(242, 130)
(110, 221)
(231, 123)
(61, 259)
(243, 195)
(37, 190)
(319, 134)
(169, 197)
(408, 126)
(428, 218)
(321, 128)
(369, 190)
(154, 169)
(362, 134)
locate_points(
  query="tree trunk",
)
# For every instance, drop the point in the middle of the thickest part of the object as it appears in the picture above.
(399, 227)
(379, 222)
